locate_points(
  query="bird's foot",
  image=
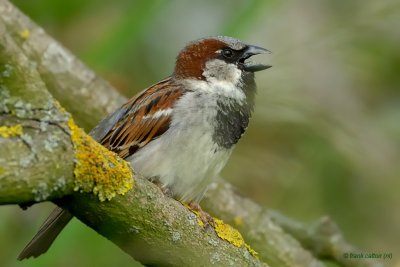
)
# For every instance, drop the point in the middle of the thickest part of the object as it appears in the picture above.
(204, 217)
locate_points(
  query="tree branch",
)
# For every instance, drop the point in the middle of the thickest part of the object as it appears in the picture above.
(324, 239)
(38, 143)
(144, 217)
(282, 241)
(275, 246)
(61, 71)
(154, 229)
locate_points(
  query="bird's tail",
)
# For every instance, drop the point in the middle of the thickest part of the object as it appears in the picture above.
(49, 230)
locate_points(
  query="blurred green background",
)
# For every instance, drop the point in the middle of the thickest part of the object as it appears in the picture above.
(325, 137)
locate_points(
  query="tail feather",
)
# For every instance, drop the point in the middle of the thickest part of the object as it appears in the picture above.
(49, 230)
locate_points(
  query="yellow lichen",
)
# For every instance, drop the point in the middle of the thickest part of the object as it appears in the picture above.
(11, 131)
(25, 33)
(225, 231)
(97, 169)
(232, 235)
(200, 222)
(238, 220)
(59, 107)
(251, 251)
(228, 233)
(196, 212)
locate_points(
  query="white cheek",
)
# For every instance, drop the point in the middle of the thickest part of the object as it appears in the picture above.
(222, 79)
(218, 70)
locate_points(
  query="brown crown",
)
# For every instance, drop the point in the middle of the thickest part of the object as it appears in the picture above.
(192, 59)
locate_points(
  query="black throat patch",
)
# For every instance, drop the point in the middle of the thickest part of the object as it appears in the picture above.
(231, 122)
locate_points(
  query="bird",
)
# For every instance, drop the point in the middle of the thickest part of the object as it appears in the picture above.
(180, 131)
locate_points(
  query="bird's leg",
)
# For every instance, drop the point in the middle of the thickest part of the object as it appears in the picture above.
(194, 206)
(203, 216)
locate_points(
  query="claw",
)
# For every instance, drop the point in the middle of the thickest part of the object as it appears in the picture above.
(204, 217)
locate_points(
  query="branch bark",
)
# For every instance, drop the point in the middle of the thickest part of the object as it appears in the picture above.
(144, 217)
(38, 133)
(33, 133)
(61, 71)
(282, 241)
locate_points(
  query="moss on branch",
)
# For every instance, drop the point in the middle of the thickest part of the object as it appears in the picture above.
(97, 169)
(46, 156)
(144, 223)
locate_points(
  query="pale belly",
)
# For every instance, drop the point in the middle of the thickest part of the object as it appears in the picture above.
(184, 160)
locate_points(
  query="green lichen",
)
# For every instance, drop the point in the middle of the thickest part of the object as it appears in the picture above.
(97, 169)
(176, 236)
(51, 143)
(11, 131)
(41, 192)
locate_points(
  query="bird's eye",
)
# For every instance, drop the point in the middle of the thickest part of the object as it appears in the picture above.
(227, 53)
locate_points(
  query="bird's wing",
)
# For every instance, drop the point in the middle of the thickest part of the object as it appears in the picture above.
(139, 121)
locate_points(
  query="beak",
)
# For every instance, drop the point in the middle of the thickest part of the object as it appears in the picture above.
(252, 50)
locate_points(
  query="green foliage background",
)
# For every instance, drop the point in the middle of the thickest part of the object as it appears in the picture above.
(325, 138)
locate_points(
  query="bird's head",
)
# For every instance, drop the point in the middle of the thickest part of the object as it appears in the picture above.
(217, 58)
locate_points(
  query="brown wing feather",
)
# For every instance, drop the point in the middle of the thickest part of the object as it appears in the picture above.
(139, 125)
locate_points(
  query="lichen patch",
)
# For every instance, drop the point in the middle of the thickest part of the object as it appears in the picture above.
(233, 236)
(97, 169)
(228, 233)
(252, 251)
(11, 131)
(25, 33)
(238, 220)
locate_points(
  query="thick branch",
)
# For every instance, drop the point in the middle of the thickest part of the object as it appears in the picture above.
(282, 241)
(324, 239)
(275, 245)
(157, 230)
(40, 136)
(90, 98)
(33, 137)
(66, 78)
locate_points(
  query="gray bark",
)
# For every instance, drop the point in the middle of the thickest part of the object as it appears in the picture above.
(37, 164)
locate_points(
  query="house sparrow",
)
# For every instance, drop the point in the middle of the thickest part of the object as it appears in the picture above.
(182, 130)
